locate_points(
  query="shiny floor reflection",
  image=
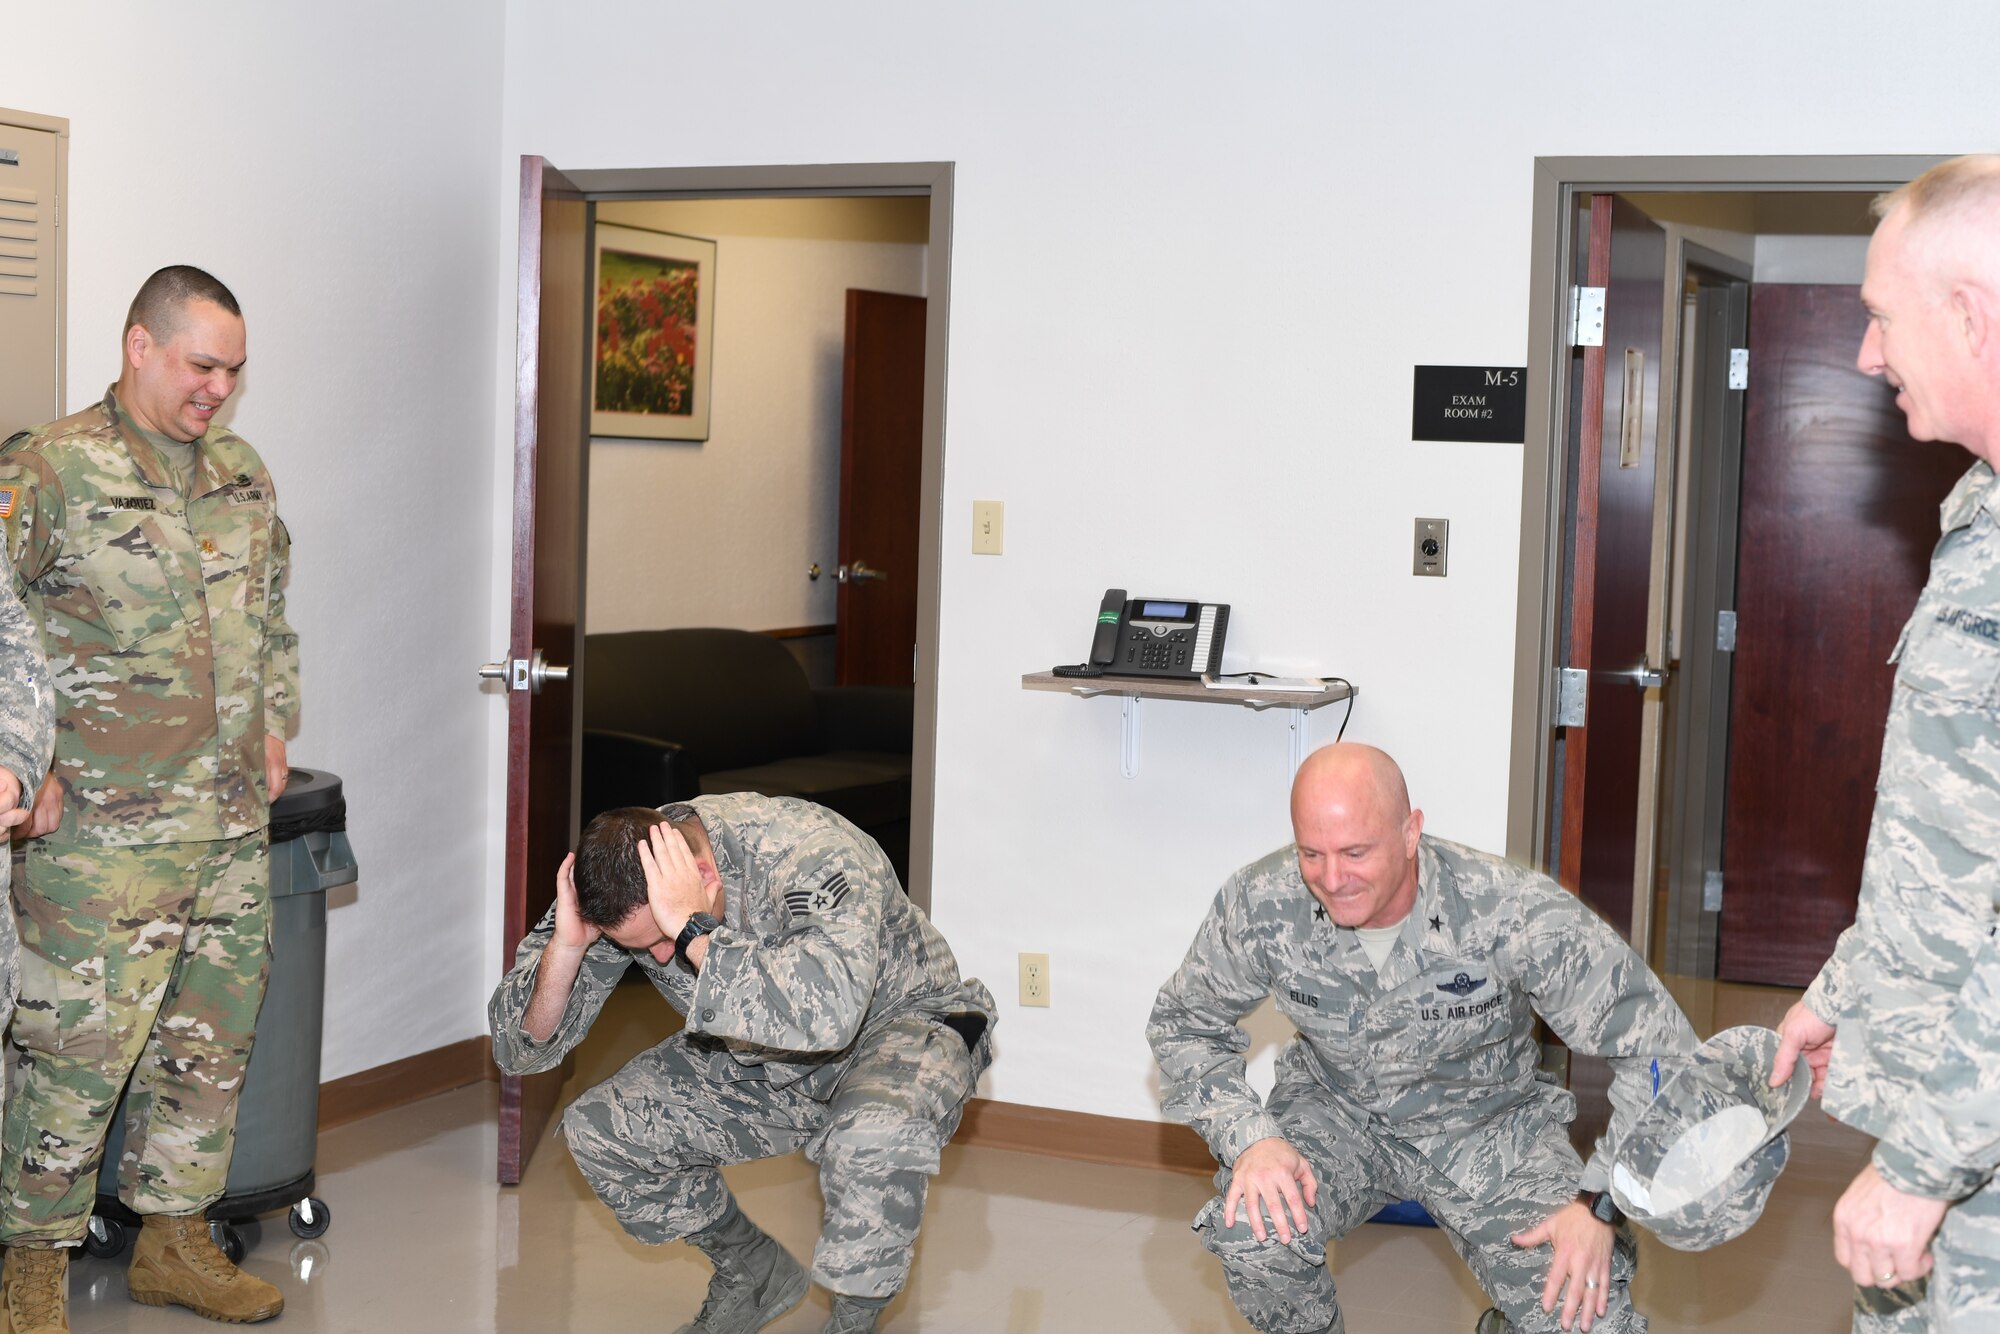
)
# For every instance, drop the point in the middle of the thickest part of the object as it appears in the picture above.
(422, 1240)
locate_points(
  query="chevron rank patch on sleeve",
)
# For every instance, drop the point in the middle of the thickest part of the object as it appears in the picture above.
(815, 902)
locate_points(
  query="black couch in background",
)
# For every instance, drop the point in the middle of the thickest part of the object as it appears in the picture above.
(671, 714)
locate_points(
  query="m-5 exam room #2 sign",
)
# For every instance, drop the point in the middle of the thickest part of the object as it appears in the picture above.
(1475, 404)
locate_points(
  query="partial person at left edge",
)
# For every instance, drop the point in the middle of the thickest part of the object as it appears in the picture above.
(147, 548)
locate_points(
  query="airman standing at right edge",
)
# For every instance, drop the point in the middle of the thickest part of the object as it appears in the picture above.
(1902, 1025)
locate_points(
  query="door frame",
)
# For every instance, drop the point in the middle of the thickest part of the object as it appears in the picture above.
(1544, 516)
(928, 179)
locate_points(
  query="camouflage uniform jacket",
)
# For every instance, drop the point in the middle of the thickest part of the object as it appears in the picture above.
(164, 623)
(27, 704)
(1913, 987)
(819, 948)
(1442, 1042)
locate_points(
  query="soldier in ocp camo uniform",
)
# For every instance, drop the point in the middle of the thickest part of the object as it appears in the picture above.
(1902, 1025)
(27, 731)
(146, 544)
(1413, 969)
(823, 1012)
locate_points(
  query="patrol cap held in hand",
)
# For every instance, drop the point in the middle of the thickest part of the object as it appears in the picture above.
(1700, 1162)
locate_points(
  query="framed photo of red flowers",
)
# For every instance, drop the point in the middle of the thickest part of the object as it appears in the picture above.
(653, 354)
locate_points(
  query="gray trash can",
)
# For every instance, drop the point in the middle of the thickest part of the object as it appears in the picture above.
(277, 1119)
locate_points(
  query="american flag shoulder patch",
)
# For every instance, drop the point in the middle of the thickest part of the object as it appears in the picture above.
(823, 899)
(8, 495)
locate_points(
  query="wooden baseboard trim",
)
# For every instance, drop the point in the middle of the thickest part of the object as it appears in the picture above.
(1112, 1140)
(439, 1070)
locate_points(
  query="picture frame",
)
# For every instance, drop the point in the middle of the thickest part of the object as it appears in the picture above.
(652, 351)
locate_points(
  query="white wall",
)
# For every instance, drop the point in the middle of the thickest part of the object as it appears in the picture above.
(336, 166)
(1197, 250)
(1810, 259)
(687, 533)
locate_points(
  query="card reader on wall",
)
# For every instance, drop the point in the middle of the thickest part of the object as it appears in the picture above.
(1173, 638)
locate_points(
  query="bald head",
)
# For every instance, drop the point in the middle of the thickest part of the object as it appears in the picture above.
(1356, 835)
(1932, 291)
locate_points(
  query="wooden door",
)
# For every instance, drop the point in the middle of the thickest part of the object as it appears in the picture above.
(550, 460)
(1839, 515)
(1616, 437)
(881, 473)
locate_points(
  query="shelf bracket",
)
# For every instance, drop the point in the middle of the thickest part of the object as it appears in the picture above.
(1128, 741)
(1301, 739)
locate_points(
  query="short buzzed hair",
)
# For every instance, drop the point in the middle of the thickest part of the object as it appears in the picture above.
(165, 296)
(610, 882)
(1949, 186)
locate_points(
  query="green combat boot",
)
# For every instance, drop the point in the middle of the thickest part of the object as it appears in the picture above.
(176, 1262)
(855, 1315)
(755, 1282)
(36, 1279)
(1493, 1323)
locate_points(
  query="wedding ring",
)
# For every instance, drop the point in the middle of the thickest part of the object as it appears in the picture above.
(1590, 1283)
(1888, 1279)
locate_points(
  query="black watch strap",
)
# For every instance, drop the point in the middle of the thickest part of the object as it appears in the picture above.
(698, 925)
(1602, 1207)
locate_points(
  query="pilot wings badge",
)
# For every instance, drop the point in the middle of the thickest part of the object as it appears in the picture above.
(1462, 986)
(817, 902)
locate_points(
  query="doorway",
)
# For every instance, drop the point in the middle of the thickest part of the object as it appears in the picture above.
(1686, 675)
(554, 337)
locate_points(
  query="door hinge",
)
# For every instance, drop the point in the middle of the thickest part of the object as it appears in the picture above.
(1739, 368)
(1725, 632)
(1572, 695)
(1586, 317)
(1711, 891)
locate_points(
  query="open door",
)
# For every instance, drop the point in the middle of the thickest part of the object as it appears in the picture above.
(1839, 515)
(881, 489)
(544, 714)
(1617, 437)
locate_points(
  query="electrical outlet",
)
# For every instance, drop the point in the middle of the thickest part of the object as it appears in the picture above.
(1035, 979)
(989, 525)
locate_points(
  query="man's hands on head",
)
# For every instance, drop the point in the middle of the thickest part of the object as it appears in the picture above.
(572, 932)
(1802, 1033)
(1580, 1268)
(1881, 1235)
(1270, 1177)
(674, 888)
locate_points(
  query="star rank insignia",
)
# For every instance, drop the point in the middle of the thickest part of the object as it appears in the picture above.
(816, 902)
(1319, 912)
(1437, 923)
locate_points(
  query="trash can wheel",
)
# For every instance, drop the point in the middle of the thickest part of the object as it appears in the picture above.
(311, 1217)
(225, 1236)
(105, 1238)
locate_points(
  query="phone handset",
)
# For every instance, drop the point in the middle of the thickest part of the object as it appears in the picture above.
(1103, 638)
(1104, 644)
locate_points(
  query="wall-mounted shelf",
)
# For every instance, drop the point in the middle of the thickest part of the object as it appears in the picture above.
(1131, 690)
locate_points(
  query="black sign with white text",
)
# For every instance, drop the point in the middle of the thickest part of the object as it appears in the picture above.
(1480, 404)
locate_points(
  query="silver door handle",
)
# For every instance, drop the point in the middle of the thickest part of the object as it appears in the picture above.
(859, 572)
(1643, 677)
(529, 674)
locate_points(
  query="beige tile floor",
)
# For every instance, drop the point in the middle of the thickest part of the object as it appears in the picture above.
(423, 1241)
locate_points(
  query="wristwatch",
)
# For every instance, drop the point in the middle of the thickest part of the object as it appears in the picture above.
(698, 925)
(1602, 1207)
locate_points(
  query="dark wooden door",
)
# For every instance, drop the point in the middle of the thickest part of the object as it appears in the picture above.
(881, 464)
(1617, 438)
(1839, 515)
(550, 458)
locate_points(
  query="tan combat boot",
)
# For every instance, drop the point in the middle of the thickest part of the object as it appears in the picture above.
(36, 1279)
(175, 1261)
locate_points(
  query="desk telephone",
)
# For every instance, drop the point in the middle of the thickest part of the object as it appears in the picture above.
(1163, 637)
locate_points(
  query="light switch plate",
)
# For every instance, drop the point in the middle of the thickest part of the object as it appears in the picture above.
(989, 526)
(1431, 548)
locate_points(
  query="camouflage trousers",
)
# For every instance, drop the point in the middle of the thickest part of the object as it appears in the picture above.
(147, 962)
(651, 1138)
(1533, 1171)
(1962, 1293)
